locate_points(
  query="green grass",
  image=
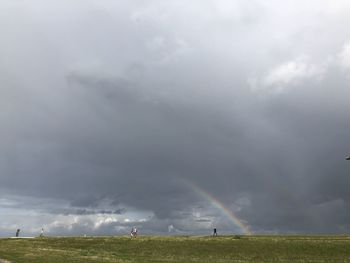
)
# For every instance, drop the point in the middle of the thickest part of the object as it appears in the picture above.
(178, 249)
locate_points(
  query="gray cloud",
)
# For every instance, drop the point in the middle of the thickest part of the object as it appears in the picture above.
(108, 108)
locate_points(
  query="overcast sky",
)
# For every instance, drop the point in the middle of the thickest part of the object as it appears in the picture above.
(109, 107)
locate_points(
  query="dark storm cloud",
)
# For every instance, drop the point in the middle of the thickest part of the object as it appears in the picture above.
(111, 105)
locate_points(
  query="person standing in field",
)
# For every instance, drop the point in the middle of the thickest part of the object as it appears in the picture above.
(42, 232)
(133, 232)
(17, 232)
(215, 233)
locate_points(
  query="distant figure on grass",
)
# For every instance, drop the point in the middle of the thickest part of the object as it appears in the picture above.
(42, 232)
(215, 233)
(17, 232)
(133, 232)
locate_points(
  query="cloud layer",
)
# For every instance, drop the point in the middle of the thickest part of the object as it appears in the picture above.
(107, 106)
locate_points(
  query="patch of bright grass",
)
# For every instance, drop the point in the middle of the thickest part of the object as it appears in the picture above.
(178, 249)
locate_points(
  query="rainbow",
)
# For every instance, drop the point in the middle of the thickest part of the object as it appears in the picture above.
(219, 205)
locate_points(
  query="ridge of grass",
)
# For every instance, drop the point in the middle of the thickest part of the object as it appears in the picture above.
(177, 249)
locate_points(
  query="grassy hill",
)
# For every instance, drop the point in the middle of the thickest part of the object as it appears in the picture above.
(177, 249)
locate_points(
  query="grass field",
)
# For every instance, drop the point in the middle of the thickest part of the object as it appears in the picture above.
(178, 249)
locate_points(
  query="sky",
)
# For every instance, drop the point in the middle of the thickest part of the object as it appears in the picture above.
(175, 117)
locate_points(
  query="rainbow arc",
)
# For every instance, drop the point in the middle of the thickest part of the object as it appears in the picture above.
(215, 202)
